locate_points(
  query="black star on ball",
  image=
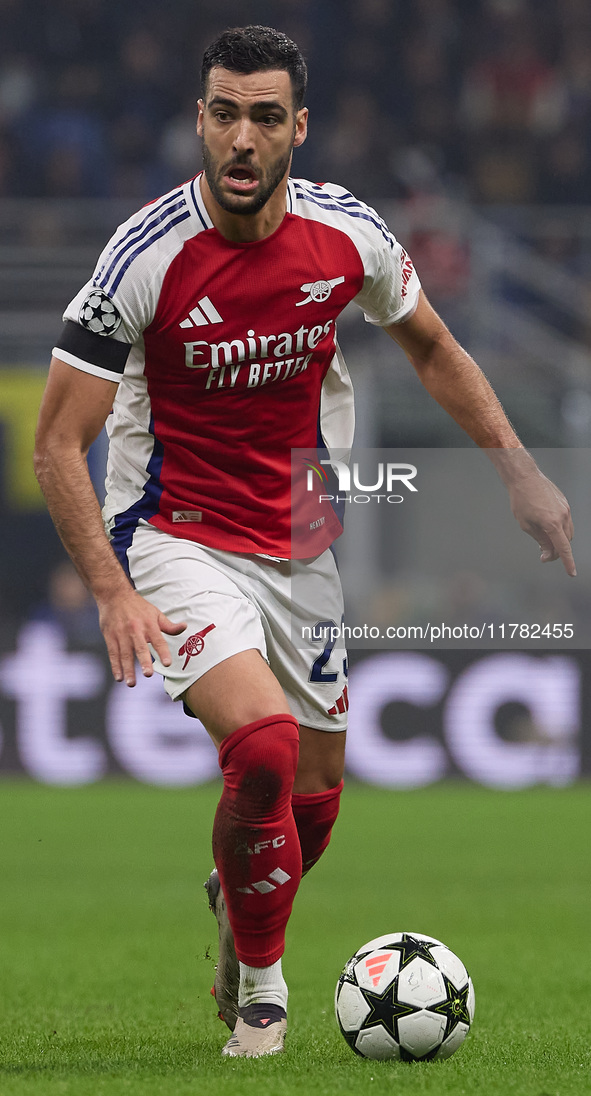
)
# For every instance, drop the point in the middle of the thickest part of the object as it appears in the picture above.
(455, 1006)
(410, 947)
(386, 1010)
(348, 972)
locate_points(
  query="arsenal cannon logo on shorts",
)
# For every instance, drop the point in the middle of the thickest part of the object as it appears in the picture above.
(194, 644)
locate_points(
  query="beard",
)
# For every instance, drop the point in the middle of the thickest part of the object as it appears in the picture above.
(244, 206)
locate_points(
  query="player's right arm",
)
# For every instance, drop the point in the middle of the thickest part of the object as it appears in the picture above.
(73, 412)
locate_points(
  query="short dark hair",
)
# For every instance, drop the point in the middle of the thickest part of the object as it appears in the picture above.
(254, 49)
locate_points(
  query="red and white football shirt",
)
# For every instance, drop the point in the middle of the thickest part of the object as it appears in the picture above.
(228, 360)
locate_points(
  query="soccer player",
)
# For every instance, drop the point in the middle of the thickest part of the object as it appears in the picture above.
(208, 329)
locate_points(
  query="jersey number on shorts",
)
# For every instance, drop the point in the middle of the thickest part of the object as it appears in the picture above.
(318, 673)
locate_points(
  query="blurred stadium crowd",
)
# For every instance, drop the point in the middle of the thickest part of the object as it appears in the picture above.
(490, 99)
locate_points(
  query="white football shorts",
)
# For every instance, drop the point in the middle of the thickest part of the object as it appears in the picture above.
(289, 610)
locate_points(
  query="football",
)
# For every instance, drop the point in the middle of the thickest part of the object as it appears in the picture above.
(406, 996)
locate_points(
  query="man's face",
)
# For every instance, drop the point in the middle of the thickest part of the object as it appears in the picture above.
(249, 129)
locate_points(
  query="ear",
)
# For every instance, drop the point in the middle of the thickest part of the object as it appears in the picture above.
(201, 107)
(301, 128)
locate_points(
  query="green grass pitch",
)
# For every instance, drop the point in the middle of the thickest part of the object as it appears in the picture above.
(107, 946)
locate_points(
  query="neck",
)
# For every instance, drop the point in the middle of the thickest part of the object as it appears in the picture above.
(247, 228)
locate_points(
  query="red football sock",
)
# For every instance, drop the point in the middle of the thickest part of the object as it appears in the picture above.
(255, 841)
(315, 814)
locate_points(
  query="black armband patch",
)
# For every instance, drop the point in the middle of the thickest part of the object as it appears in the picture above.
(93, 348)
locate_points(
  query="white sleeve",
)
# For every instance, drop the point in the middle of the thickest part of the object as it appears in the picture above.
(391, 287)
(129, 293)
(110, 313)
(101, 324)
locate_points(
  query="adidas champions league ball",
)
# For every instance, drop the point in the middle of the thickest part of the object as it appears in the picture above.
(404, 996)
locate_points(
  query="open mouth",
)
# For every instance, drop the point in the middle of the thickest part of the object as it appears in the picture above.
(241, 179)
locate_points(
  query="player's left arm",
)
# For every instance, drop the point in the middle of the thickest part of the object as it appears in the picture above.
(454, 379)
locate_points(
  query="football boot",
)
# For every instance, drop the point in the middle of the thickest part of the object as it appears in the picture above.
(227, 971)
(259, 1031)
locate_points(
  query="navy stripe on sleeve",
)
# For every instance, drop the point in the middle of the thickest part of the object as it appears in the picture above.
(108, 353)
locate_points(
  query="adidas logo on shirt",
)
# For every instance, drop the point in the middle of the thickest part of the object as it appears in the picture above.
(203, 313)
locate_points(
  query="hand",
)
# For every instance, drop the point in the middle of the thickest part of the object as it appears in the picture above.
(543, 512)
(129, 624)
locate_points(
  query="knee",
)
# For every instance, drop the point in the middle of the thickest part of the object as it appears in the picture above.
(259, 762)
(321, 760)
